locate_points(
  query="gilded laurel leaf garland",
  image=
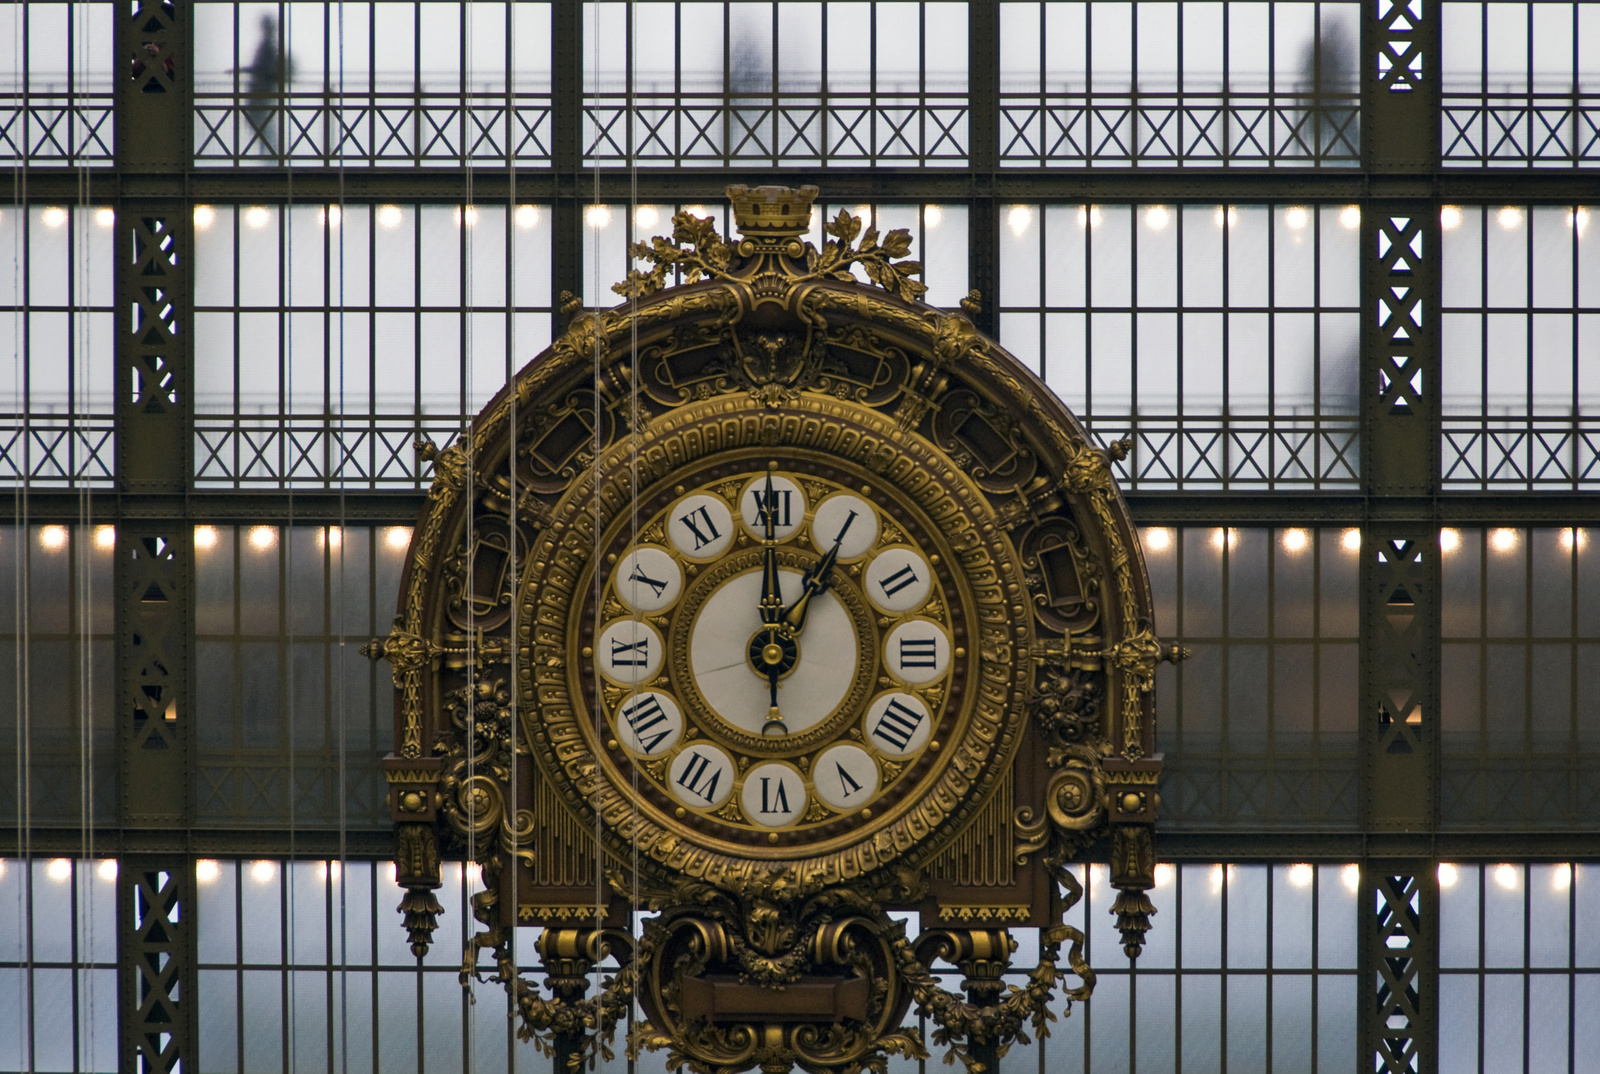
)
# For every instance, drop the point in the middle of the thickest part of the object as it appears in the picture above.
(787, 602)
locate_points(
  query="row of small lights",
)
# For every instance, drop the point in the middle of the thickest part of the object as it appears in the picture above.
(389, 216)
(1156, 538)
(1157, 217)
(1300, 875)
(1019, 217)
(54, 537)
(1159, 539)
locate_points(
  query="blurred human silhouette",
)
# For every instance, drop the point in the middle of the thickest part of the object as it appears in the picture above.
(1328, 67)
(268, 74)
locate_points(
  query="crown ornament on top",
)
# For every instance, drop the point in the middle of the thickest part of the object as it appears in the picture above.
(771, 220)
(772, 212)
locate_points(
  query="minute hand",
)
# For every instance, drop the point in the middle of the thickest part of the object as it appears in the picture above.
(813, 583)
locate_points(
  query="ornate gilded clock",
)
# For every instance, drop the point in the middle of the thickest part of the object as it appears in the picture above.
(773, 602)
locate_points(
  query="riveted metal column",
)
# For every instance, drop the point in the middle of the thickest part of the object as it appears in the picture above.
(983, 132)
(566, 119)
(1400, 651)
(154, 552)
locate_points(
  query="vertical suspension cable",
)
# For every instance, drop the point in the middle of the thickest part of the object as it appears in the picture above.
(336, 876)
(465, 215)
(79, 279)
(512, 583)
(286, 298)
(20, 523)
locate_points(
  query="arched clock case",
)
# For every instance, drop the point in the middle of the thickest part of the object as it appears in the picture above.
(774, 602)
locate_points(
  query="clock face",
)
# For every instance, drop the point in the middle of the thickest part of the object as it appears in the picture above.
(775, 648)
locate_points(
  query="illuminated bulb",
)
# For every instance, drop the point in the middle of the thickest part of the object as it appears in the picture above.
(1295, 540)
(398, 536)
(646, 216)
(1561, 877)
(1217, 878)
(1449, 217)
(326, 869)
(1506, 876)
(1097, 873)
(1573, 538)
(1297, 218)
(1503, 540)
(262, 872)
(54, 216)
(1156, 217)
(1509, 218)
(391, 872)
(59, 869)
(390, 216)
(105, 537)
(263, 537)
(1351, 875)
(474, 872)
(527, 216)
(1164, 874)
(1350, 217)
(932, 216)
(1449, 540)
(1228, 216)
(1018, 219)
(105, 217)
(1224, 538)
(1089, 216)
(1578, 218)
(107, 869)
(1301, 875)
(53, 537)
(2, 867)
(700, 211)
(207, 871)
(597, 216)
(1448, 875)
(332, 537)
(863, 213)
(205, 536)
(257, 216)
(204, 216)
(1158, 538)
(1351, 540)
(467, 214)
(330, 216)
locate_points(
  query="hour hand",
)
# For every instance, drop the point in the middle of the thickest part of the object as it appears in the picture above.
(813, 583)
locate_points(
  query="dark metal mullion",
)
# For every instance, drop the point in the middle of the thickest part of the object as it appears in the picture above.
(1316, 949)
(237, 866)
(1271, 978)
(1226, 970)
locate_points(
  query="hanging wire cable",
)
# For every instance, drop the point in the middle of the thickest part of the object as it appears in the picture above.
(22, 551)
(336, 875)
(79, 280)
(286, 299)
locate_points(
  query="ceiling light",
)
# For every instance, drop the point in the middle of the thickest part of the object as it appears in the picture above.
(1018, 219)
(1350, 541)
(1297, 217)
(1350, 217)
(53, 538)
(257, 216)
(1449, 217)
(1157, 217)
(932, 216)
(390, 216)
(1295, 540)
(55, 216)
(205, 536)
(204, 216)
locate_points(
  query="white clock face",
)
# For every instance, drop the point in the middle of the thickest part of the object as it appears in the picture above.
(776, 680)
(719, 656)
